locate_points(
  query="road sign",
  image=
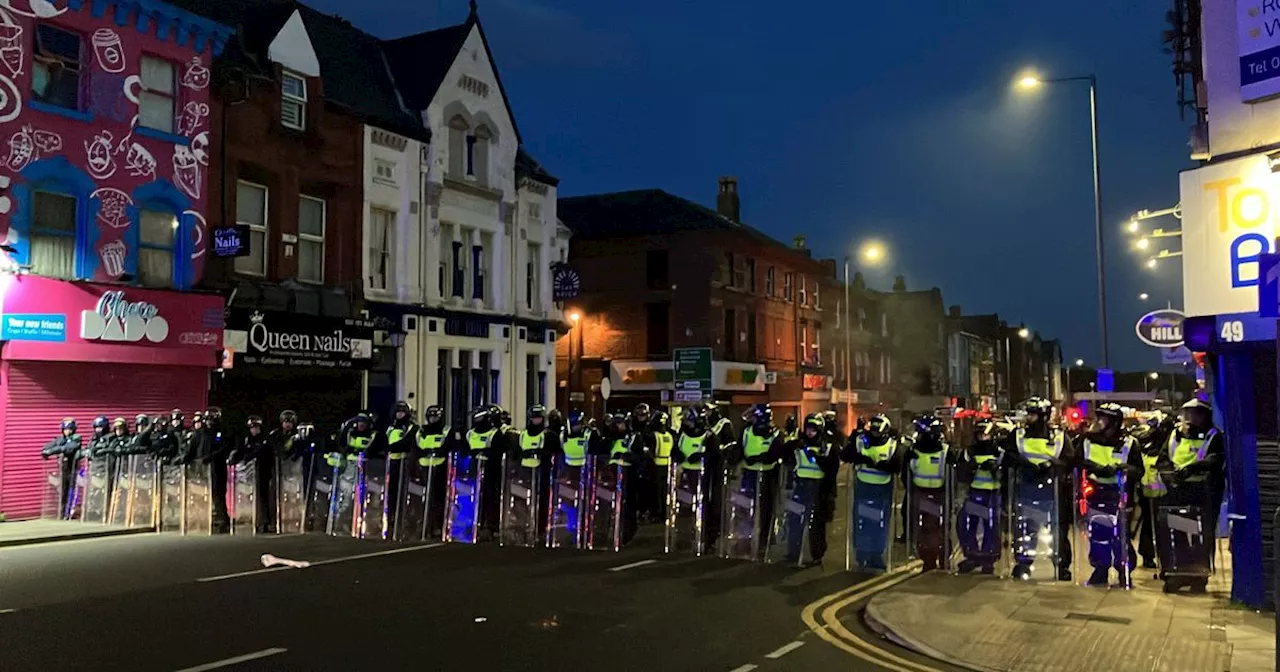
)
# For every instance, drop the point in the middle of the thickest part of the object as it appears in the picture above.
(1106, 381)
(688, 396)
(1269, 285)
(606, 388)
(691, 372)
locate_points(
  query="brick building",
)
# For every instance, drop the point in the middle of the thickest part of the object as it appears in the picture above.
(918, 337)
(862, 380)
(660, 272)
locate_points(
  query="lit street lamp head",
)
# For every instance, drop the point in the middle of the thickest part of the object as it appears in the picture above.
(1154, 375)
(1079, 362)
(1024, 333)
(1144, 296)
(872, 252)
(574, 317)
(1028, 82)
(1142, 243)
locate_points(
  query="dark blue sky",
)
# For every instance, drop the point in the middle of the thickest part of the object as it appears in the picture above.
(848, 120)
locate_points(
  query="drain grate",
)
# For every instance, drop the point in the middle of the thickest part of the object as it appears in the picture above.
(1077, 616)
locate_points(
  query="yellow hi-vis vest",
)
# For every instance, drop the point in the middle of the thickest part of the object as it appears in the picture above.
(758, 446)
(359, 444)
(720, 425)
(1038, 451)
(575, 450)
(430, 443)
(1107, 456)
(1187, 451)
(1152, 482)
(528, 444)
(662, 452)
(616, 451)
(694, 450)
(869, 474)
(984, 473)
(479, 441)
(394, 436)
(807, 467)
(928, 470)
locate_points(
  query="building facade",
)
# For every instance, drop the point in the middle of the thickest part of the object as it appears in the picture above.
(103, 222)
(917, 322)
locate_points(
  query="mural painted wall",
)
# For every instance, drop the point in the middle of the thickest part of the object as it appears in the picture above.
(106, 102)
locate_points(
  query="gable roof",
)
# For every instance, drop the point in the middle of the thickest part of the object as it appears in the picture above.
(648, 212)
(420, 62)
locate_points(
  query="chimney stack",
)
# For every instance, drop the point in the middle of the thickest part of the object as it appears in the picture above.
(727, 202)
(799, 242)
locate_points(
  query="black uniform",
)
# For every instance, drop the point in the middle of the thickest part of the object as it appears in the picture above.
(67, 449)
(397, 445)
(816, 446)
(255, 449)
(207, 445)
(433, 463)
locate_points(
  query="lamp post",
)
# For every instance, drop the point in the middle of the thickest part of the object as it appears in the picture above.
(1032, 82)
(573, 362)
(1070, 395)
(872, 253)
(1024, 334)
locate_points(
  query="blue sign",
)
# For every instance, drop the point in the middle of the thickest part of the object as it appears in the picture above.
(1244, 328)
(1269, 285)
(1178, 356)
(1161, 328)
(48, 328)
(231, 241)
(566, 284)
(1106, 381)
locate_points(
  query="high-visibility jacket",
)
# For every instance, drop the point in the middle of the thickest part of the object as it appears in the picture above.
(662, 449)
(480, 441)
(984, 472)
(396, 435)
(1186, 451)
(877, 453)
(928, 470)
(1107, 456)
(1039, 450)
(529, 444)
(694, 450)
(616, 452)
(807, 467)
(575, 449)
(429, 445)
(758, 446)
(1152, 482)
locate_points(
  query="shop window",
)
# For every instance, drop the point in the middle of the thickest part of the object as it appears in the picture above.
(532, 293)
(251, 210)
(293, 101)
(381, 235)
(55, 68)
(53, 235)
(156, 99)
(156, 239)
(311, 214)
(656, 269)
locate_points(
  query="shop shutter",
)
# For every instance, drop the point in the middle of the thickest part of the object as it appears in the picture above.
(38, 395)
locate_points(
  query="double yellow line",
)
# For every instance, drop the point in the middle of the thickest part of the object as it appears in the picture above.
(823, 618)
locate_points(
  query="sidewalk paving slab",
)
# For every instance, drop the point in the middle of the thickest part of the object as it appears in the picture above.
(25, 532)
(993, 625)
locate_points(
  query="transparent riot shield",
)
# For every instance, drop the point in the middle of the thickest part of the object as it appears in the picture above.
(796, 528)
(417, 516)
(1100, 532)
(347, 497)
(244, 497)
(371, 522)
(518, 520)
(144, 497)
(97, 495)
(747, 515)
(173, 493)
(875, 523)
(929, 512)
(122, 493)
(197, 509)
(978, 527)
(291, 496)
(1183, 537)
(52, 506)
(607, 507)
(464, 506)
(686, 529)
(79, 486)
(566, 503)
(320, 495)
(1034, 522)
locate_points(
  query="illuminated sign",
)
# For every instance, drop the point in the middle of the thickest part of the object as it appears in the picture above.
(1161, 328)
(1228, 222)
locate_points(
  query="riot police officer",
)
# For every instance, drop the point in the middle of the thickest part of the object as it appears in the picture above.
(979, 515)
(435, 441)
(1152, 437)
(1197, 450)
(926, 462)
(1043, 460)
(625, 452)
(663, 443)
(759, 469)
(67, 449)
(873, 451)
(533, 447)
(142, 430)
(813, 458)
(1107, 456)
(400, 438)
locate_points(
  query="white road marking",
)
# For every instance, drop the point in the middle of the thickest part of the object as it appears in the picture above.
(362, 556)
(234, 661)
(745, 668)
(784, 650)
(633, 565)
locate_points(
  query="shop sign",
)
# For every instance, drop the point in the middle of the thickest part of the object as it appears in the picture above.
(1258, 27)
(1229, 213)
(813, 381)
(1161, 328)
(115, 318)
(34, 327)
(288, 339)
(231, 241)
(566, 284)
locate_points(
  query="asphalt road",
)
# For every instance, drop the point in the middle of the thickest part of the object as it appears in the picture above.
(160, 602)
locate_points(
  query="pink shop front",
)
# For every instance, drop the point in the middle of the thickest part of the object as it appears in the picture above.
(81, 349)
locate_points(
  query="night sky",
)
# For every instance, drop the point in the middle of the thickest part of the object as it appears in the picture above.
(851, 120)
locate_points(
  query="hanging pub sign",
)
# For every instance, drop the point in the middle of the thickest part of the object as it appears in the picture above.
(566, 284)
(1161, 328)
(288, 339)
(231, 241)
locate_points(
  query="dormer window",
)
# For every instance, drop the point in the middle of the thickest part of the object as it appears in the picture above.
(293, 101)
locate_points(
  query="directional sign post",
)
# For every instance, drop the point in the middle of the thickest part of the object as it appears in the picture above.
(691, 373)
(1269, 285)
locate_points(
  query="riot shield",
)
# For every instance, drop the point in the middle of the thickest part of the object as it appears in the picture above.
(197, 509)
(347, 497)
(977, 528)
(79, 486)
(795, 528)
(518, 520)
(1100, 525)
(605, 514)
(320, 496)
(291, 496)
(173, 493)
(928, 533)
(1183, 538)
(143, 498)
(416, 519)
(244, 497)
(875, 520)
(566, 505)
(464, 512)
(371, 522)
(97, 495)
(1033, 521)
(122, 493)
(51, 505)
(686, 529)
(747, 514)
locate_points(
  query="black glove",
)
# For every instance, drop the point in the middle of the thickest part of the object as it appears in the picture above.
(1105, 472)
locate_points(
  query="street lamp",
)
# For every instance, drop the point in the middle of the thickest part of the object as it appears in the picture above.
(872, 253)
(1144, 296)
(1032, 81)
(1078, 363)
(1024, 334)
(574, 333)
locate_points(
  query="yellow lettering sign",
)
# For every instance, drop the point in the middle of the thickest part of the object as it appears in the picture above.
(1245, 208)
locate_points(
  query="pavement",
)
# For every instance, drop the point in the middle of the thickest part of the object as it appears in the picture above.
(25, 532)
(985, 623)
(166, 602)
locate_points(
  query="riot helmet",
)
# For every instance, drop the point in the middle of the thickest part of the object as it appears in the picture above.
(100, 424)
(554, 419)
(694, 420)
(661, 421)
(362, 422)
(1037, 410)
(760, 416)
(537, 418)
(176, 419)
(1197, 415)
(197, 420)
(305, 431)
(829, 420)
(433, 416)
(618, 423)
(575, 420)
(254, 424)
(141, 422)
(68, 426)
(814, 425)
(403, 412)
(929, 428)
(1110, 416)
(119, 426)
(288, 420)
(483, 419)
(641, 414)
(879, 428)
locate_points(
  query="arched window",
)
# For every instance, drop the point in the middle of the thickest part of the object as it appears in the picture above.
(160, 237)
(459, 146)
(51, 227)
(478, 157)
